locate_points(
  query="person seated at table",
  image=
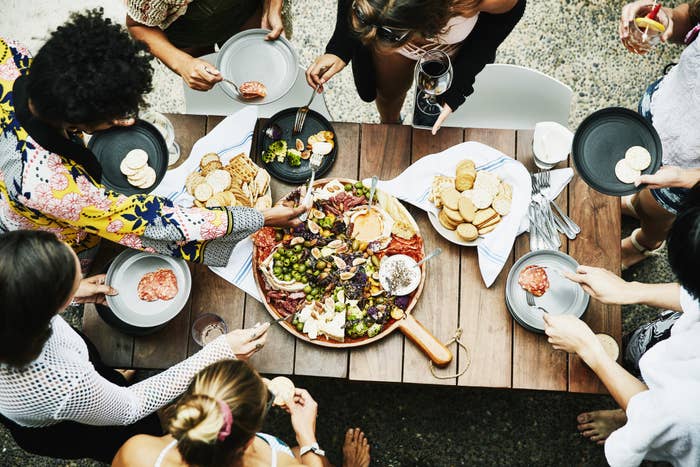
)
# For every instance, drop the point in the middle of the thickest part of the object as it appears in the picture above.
(217, 423)
(659, 418)
(57, 398)
(179, 31)
(50, 181)
(385, 38)
(671, 104)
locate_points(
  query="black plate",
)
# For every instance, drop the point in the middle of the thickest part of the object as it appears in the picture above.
(111, 146)
(314, 123)
(603, 138)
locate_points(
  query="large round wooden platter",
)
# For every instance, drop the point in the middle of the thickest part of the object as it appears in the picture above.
(412, 328)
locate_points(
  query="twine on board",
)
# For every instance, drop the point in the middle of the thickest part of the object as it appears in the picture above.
(456, 339)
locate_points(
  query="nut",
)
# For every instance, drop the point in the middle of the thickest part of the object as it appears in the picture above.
(358, 261)
(346, 276)
(296, 241)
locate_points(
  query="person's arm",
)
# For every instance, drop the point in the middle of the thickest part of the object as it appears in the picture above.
(607, 287)
(304, 410)
(272, 19)
(93, 400)
(570, 334)
(477, 50)
(670, 176)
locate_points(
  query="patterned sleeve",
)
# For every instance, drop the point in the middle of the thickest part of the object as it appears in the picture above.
(160, 13)
(62, 190)
(95, 401)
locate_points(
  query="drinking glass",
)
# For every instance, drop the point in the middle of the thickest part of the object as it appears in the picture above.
(642, 39)
(208, 327)
(433, 76)
(163, 124)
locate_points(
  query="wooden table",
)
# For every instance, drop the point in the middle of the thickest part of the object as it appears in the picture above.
(503, 354)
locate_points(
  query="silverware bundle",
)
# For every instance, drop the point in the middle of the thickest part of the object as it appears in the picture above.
(545, 222)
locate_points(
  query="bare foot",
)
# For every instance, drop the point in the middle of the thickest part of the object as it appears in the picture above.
(127, 374)
(355, 449)
(598, 425)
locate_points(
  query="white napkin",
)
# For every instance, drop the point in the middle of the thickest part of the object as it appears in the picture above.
(414, 185)
(232, 136)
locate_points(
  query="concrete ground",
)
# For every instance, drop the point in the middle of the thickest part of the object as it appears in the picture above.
(576, 42)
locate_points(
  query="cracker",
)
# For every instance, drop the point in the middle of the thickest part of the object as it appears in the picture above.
(126, 170)
(502, 206)
(467, 232)
(264, 202)
(484, 215)
(481, 198)
(454, 216)
(203, 192)
(450, 197)
(282, 388)
(149, 178)
(220, 180)
(467, 164)
(242, 168)
(213, 202)
(487, 181)
(493, 221)
(466, 208)
(210, 167)
(638, 157)
(209, 157)
(262, 181)
(138, 177)
(229, 199)
(486, 230)
(505, 191)
(446, 221)
(192, 181)
(135, 159)
(625, 173)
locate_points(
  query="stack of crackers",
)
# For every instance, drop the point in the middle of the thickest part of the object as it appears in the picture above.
(239, 183)
(473, 202)
(136, 169)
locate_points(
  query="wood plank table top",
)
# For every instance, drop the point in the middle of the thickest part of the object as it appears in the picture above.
(501, 353)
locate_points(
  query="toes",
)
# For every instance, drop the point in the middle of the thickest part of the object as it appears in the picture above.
(585, 427)
(590, 433)
(348, 436)
(598, 437)
(600, 443)
(584, 417)
(355, 434)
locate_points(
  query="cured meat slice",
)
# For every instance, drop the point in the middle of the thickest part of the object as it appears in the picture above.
(534, 279)
(252, 89)
(160, 284)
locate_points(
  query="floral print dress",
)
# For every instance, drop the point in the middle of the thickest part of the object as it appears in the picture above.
(40, 189)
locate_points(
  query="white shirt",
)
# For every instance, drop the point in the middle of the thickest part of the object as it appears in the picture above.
(675, 107)
(62, 384)
(663, 423)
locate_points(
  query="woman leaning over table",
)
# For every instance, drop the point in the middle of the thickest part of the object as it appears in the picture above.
(217, 423)
(179, 31)
(672, 105)
(50, 181)
(385, 38)
(659, 418)
(56, 397)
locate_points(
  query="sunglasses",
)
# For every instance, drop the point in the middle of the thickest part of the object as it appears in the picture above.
(393, 35)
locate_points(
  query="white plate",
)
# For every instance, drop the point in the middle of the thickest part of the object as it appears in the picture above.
(247, 56)
(451, 235)
(124, 274)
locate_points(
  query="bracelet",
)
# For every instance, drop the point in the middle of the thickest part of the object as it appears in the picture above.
(312, 448)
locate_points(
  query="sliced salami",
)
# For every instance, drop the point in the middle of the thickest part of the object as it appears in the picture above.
(252, 89)
(160, 284)
(534, 279)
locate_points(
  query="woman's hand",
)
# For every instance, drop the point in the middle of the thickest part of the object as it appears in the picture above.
(199, 74)
(93, 290)
(603, 285)
(629, 13)
(272, 19)
(245, 343)
(320, 71)
(284, 216)
(570, 334)
(446, 111)
(303, 409)
(670, 176)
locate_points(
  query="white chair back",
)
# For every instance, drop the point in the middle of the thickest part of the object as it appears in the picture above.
(513, 97)
(217, 102)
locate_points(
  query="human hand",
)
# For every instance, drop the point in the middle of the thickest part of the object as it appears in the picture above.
(303, 410)
(93, 290)
(603, 285)
(321, 70)
(669, 176)
(444, 113)
(272, 20)
(570, 334)
(245, 343)
(284, 216)
(199, 74)
(630, 12)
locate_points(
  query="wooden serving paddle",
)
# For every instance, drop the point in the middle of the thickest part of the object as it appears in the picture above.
(433, 348)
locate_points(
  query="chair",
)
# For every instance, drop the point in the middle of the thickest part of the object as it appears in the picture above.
(217, 102)
(513, 97)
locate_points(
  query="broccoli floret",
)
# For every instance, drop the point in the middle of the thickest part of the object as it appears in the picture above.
(268, 156)
(294, 157)
(355, 313)
(374, 330)
(358, 329)
(278, 149)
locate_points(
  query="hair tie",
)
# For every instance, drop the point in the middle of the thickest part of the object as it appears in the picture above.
(228, 420)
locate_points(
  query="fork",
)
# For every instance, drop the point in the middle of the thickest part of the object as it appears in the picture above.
(530, 299)
(314, 164)
(570, 224)
(301, 113)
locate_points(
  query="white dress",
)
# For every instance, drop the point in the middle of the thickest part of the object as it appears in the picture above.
(663, 423)
(675, 107)
(62, 384)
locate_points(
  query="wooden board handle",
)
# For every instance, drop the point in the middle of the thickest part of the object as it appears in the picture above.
(434, 349)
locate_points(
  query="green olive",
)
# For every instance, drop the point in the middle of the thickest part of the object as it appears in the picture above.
(297, 248)
(358, 185)
(287, 277)
(321, 265)
(307, 289)
(302, 267)
(348, 187)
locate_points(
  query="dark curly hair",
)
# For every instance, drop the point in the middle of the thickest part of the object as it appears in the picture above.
(684, 244)
(89, 72)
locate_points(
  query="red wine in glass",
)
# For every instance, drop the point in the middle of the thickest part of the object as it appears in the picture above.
(433, 76)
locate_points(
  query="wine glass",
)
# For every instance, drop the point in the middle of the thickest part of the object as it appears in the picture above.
(433, 76)
(208, 327)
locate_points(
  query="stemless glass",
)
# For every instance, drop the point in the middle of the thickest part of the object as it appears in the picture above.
(208, 327)
(643, 39)
(433, 76)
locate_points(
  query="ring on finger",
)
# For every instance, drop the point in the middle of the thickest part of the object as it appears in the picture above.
(258, 346)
